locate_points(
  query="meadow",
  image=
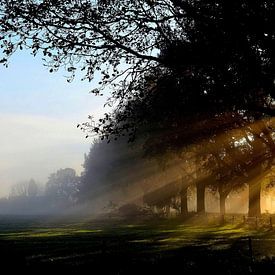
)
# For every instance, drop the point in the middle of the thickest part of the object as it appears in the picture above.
(129, 246)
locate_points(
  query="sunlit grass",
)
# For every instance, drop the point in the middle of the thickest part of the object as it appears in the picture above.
(184, 235)
(46, 233)
(151, 242)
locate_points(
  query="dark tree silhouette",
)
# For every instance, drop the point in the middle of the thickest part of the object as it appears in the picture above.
(112, 167)
(182, 71)
(239, 157)
(213, 55)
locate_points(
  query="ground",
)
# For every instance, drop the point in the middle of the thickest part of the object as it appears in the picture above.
(119, 246)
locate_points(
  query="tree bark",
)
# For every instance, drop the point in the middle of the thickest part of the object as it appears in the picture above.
(200, 198)
(183, 201)
(254, 200)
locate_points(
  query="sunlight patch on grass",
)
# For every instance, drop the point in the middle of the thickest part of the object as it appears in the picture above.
(179, 240)
(87, 231)
(133, 225)
(215, 237)
(142, 241)
(35, 234)
(47, 233)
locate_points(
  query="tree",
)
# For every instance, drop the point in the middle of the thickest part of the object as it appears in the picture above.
(32, 188)
(24, 189)
(215, 56)
(117, 166)
(214, 65)
(62, 186)
(239, 157)
(263, 151)
(181, 71)
(223, 160)
(19, 190)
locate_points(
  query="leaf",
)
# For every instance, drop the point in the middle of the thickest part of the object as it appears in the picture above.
(71, 69)
(3, 60)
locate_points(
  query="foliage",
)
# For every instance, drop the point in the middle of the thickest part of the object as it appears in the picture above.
(62, 186)
(202, 57)
(24, 189)
(19, 189)
(113, 166)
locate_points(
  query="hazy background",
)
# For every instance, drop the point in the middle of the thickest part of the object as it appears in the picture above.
(39, 113)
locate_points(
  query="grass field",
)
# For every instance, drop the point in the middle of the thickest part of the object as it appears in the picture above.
(114, 246)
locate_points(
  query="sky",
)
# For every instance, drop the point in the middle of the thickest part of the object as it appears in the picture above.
(39, 112)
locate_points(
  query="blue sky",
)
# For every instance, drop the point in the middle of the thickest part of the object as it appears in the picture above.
(39, 112)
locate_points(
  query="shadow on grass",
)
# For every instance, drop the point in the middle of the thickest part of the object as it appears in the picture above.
(158, 247)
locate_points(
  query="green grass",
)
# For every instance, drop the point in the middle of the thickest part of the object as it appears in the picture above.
(128, 247)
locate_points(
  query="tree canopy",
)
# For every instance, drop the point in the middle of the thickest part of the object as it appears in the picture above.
(62, 186)
(205, 57)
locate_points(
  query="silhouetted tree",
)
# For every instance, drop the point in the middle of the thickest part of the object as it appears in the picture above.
(262, 143)
(215, 56)
(32, 188)
(241, 156)
(114, 167)
(222, 165)
(62, 186)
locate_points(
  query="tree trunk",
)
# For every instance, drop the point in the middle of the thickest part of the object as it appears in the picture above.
(222, 203)
(183, 201)
(223, 196)
(254, 201)
(200, 198)
(167, 210)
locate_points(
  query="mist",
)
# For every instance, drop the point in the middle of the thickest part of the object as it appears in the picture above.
(117, 175)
